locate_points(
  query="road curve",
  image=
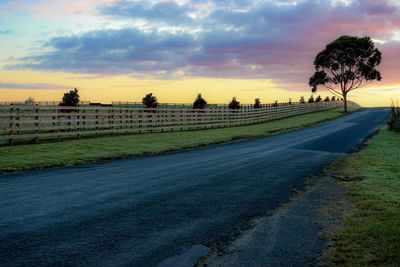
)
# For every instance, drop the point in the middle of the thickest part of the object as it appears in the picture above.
(142, 211)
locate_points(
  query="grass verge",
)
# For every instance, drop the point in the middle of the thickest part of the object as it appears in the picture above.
(370, 235)
(26, 157)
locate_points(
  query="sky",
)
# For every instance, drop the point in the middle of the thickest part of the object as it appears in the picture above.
(119, 50)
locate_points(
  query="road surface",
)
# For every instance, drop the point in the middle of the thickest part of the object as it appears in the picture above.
(147, 211)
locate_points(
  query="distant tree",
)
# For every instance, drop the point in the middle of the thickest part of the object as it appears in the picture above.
(70, 99)
(234, 104)
(257, 103)
(275, 104)
(327, 99)
(311, 99)
(30, 101)
(199, 102)
(345, 65)
(318, 99)
(302, 101)
(150, 101)
(333, 98)
(290, 101)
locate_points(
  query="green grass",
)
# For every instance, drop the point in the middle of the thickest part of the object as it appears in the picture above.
(25, 157)
(370, 235)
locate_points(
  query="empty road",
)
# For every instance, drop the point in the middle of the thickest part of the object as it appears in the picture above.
(142, 211)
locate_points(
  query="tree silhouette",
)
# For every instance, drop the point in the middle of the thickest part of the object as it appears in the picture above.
(333, 98)
(150, 101)
(327, 99)
(199, 102)
(234, 104)
(318, 99)
(257, 103)
(302, 101)
(311, 99)
(345, 65)
(70, 99)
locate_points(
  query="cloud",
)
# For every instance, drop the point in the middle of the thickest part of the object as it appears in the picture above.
(169, 12)
(5, 32)
(248, 39)
(115, 51)
(33, 86)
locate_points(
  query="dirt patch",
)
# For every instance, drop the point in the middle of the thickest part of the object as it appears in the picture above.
(296, 234)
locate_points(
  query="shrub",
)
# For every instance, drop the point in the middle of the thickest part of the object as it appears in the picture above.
(311, 99)
(394, 120)
(302, 101)
(275, 104)
(318, 99)
(70, 99)
(199, 102)
(327, 99)
(234, 104)
(150, 101)
(333, 98)
(257, 103)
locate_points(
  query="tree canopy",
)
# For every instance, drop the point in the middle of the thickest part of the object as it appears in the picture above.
(346, 64)
(71, 98)
(234, 104)
(199, 102)
(150, 101)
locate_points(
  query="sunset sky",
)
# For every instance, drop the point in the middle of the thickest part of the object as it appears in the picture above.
(120, 50)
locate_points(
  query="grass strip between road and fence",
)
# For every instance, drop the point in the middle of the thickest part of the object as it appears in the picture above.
(370, 234)
(34, 156)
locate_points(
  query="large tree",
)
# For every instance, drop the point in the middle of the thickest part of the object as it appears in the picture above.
(346, 64)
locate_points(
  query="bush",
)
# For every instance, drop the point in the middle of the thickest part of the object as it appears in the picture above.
(327, 99)
(199, 102)
(333, 98)
(257, 103)
(318, 99)
(275, 104)
(150, 101)
(302, 101)
(311, 99)
(70, 99)
(394, 120)
(234, 104)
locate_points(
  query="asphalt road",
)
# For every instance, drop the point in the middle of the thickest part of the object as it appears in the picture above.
(142, 211)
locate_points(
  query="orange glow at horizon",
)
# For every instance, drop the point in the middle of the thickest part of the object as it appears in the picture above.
(106, 89)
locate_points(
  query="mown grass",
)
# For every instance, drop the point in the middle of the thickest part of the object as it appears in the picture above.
(25, 157)
(370, 236)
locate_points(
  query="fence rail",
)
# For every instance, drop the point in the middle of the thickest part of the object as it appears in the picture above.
(34, 123)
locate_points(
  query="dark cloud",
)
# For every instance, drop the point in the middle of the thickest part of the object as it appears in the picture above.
(251, 39)
(33, 86)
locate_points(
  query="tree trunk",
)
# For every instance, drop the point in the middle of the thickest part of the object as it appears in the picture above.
(345, 102)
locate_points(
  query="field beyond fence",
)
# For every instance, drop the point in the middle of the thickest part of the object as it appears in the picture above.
(34, 123)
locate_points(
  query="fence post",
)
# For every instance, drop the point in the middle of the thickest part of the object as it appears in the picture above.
(37, 125)
(11, 141)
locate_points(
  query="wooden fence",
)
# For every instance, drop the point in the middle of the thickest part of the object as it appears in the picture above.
(34, 123)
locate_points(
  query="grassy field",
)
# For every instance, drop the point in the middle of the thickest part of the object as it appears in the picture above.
(370, 235)
(66, 153)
